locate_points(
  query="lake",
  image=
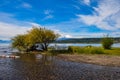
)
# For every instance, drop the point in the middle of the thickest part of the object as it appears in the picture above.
(49, 67)
(83, 44)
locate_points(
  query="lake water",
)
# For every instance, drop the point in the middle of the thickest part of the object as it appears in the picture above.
(85, 44)
(48, 67)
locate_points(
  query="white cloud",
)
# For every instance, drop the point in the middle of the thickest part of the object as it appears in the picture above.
(68, 36)
(9, 26)
(48, 17)
(34, 24)
(90, 35)
(87, 2)
(64, 35)
(10, 18)
(8, 30)
(6, 17)
(77, 7)
(26, 5)
(106, 16)
(48, 14)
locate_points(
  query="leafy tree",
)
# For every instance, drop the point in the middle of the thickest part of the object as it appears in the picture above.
(19, 42)
(41, 36)
(107, 42)
(36, 35)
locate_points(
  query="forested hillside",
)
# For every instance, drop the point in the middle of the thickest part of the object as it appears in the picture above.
(84, 40)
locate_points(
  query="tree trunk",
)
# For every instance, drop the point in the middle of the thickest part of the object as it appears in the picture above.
(44, 46)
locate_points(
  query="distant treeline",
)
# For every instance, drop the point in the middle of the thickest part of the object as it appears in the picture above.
(85, 40)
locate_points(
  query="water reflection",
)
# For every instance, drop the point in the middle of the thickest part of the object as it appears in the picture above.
(28, 67)
(44, 59)
(27, 57)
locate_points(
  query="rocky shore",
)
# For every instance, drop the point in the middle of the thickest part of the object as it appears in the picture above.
(105, 60)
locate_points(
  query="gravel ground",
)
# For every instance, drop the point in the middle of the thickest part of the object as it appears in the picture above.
(53, 68)
(105, 60)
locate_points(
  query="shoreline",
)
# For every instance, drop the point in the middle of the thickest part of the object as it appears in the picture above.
(103, 60)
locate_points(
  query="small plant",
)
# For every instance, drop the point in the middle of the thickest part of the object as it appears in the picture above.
(107, 42)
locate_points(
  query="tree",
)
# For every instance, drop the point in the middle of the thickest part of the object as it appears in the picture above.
(19, 42)
(41, 36)
(36, 35)
(107, 42)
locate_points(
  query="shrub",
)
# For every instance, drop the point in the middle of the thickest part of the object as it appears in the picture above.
(107, 42)
(75, 49)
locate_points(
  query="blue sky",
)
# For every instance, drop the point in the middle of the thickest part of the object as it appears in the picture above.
(69, 18)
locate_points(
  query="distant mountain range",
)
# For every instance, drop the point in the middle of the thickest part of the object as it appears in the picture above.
(5, 41)
(62, 39)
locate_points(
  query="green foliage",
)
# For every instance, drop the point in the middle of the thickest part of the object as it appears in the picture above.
(76, 49)
(36, 35)
(94, 50)
(113, 51)
(107, 42)
(42, 36)
(85, 50)
(19, 42)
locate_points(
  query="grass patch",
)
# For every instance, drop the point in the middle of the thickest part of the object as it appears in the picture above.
(85, 50)
(113, 51)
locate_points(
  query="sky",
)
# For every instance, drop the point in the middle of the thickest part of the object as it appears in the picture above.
(69, 18)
